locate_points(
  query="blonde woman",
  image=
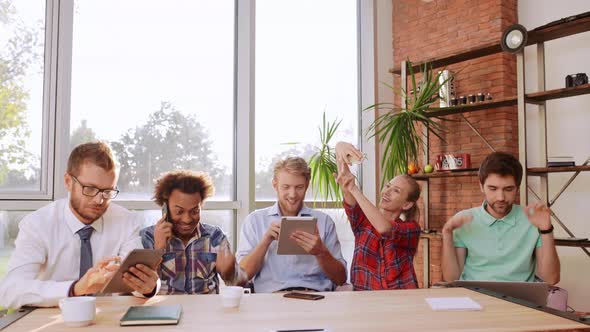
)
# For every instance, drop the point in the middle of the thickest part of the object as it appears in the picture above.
(386, 237)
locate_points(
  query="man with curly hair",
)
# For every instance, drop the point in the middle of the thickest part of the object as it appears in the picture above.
(195, 251)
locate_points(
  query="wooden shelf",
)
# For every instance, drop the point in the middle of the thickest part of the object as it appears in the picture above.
(545, 170)
(568, 243)
(442, 111)
(468, 54)
(540, 97)
(558, 31)
(446, 174)
(538, 35)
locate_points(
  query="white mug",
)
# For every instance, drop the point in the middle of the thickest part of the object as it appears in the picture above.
(78, 311)
(232, 295)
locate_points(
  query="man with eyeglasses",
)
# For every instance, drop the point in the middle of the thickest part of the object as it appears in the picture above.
(64, 249)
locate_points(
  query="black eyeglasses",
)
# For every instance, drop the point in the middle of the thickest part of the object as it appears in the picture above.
(93, 191)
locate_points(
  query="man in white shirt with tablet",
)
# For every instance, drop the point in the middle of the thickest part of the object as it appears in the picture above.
(64, 248)
(321, 270)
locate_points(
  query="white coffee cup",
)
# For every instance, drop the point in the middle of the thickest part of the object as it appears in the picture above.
(78, 311)
(231, 296)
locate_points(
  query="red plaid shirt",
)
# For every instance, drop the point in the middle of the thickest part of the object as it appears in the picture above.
(382, 261)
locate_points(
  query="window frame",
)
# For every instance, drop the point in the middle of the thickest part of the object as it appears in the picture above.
(48, 112)
(374, 59)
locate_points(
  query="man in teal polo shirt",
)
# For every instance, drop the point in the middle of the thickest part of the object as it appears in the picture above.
(500, 240)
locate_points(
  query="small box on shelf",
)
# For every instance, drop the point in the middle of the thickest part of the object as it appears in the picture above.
(447, 162)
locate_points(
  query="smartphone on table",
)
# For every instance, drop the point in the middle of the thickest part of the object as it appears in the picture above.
(304, 296)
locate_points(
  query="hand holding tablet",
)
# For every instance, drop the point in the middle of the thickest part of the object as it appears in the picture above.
(292, 233)
(147, 257)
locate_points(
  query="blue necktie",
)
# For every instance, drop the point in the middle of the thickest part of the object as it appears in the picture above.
(85, 249)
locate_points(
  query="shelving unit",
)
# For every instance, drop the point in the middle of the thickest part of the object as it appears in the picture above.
(540, 97)
(538, 37)
(543, 170)
(442, 111)
(569, 243)
(446, 174)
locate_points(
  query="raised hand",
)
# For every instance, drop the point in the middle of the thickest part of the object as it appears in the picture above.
(539, 215)
(457, 221)
(348, 153)
(345, 178)
(226, 262)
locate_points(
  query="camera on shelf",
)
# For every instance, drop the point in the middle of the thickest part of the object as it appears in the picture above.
(575, 80)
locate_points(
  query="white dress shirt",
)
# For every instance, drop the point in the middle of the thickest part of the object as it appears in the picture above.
(46, 260)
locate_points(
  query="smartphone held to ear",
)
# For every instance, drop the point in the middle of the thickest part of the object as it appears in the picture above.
(166, 212)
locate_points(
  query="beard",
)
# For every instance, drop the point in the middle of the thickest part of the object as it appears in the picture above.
(88, 216)
(501, 208)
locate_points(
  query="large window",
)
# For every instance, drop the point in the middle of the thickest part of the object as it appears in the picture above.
(306, 64)
(22, 27)
(157, 83)
(223, 86)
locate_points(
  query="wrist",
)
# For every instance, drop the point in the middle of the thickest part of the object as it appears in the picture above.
(77, 289)
(323, 252)
(267, 241)
(354, 191)
(71, 291)
(545, 229)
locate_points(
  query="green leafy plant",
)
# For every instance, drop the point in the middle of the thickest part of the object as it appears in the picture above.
(397, 128)
(323, 164)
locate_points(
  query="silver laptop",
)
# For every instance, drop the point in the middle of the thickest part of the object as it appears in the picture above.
(534, 292)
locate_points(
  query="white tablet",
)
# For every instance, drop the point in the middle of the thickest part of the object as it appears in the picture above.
(288, 246)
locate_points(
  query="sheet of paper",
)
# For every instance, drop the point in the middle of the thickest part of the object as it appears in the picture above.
(452, 303)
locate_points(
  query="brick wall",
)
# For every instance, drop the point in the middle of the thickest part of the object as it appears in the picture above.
(425, 30)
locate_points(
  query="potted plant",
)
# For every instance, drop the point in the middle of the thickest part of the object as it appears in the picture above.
(323, 165)
(398, 130)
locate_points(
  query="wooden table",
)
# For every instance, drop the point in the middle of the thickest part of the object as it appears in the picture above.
(402, 310)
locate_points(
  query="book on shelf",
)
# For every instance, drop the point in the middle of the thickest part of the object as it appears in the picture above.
(560, 163)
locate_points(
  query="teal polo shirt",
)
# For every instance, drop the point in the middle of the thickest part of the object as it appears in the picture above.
(498, 249)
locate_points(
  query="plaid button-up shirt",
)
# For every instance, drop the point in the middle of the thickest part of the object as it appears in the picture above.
(191, 269)
(382, 261)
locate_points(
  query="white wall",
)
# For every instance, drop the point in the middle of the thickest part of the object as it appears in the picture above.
(568, 130)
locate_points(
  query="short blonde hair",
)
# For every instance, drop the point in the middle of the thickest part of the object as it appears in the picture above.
(98, 153)
(293, 165)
